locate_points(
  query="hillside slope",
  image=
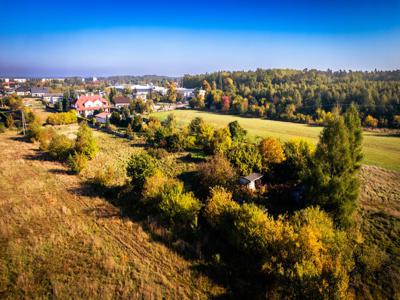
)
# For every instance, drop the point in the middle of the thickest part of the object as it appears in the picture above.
(56, 240)
(379, 208)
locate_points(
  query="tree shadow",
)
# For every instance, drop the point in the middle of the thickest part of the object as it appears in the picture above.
(61, 171)
(200, 247)
(39, 156)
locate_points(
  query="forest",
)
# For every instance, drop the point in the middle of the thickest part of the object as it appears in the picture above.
(307, 96)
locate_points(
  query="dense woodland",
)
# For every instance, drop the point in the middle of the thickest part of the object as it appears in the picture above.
(302, 96)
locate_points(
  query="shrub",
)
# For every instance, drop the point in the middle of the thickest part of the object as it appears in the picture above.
(62, 118)
(370, 121)
(271, 152)
(298, 154)
(106, 176)
(317, 260)
(139, 168)
(245, 158)
(14, 102)
(205, 136)
(2, 127)
(45, 137)
(176, 142)
(237, 131)
(115, 118)
(194, 126)
(178, 206)
(153, 186)
(85, 142)
(10, 121)
(221, 141)
(60, 147)
(216, 171)
(33, 131)
(220, 208)
(77, 162)
(129, 132)
(158, 153)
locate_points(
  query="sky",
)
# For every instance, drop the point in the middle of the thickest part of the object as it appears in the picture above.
(102, 38)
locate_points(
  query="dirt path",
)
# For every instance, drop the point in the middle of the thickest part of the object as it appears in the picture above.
(57, 241)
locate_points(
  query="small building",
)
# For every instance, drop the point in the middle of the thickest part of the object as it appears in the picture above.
(186, 93)
(121, 101)
(22, 91)
(102, 117)
(53, 98)
(39, 91)
(251, 181)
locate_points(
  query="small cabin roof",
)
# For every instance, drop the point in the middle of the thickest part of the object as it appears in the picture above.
(252, 177)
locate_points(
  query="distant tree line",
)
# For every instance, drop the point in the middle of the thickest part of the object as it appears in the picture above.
(306, 96)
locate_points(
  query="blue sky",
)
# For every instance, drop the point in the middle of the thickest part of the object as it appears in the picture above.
(43, 38)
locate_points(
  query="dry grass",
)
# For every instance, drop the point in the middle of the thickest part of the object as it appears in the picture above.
(379, 212)
(58, 241)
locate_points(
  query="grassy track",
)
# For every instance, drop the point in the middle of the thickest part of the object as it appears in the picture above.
(380, 150)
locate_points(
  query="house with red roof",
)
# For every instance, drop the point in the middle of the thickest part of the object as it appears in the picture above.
(86, 105)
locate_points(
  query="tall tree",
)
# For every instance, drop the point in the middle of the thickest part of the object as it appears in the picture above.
(333, 184)
(237, 131)
(353, 124)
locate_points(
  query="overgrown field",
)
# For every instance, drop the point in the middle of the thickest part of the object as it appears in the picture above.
(60, 239)
(379, 211)
(380, 150)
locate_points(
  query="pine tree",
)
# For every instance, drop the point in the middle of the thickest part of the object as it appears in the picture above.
(333, 182)
(353, 124)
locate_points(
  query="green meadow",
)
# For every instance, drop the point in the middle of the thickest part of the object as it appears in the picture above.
(379, 149)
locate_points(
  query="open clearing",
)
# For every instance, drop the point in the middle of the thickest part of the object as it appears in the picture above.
(380, 150)
(59, 239)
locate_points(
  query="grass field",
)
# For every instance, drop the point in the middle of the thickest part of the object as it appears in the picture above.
(379, 150)
(61, 239)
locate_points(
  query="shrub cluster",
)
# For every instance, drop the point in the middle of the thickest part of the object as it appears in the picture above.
(304, 253)
(62, 118)
(167, 195)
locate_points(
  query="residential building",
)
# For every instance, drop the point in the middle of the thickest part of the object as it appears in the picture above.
(186, 93)
(22, 91)
(102, 117)
(86, 105)
(53, 98)
(142, 91)
(20, 80)
(121, 101)
(39, 91)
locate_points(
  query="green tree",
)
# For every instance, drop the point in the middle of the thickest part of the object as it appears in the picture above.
(353, 124)
(238, 133)
(334, 185)
(178, 206)
(245, 158)
(216, 171)
(221, 141)
(299, 154)
(140, 167)
(85, 141)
